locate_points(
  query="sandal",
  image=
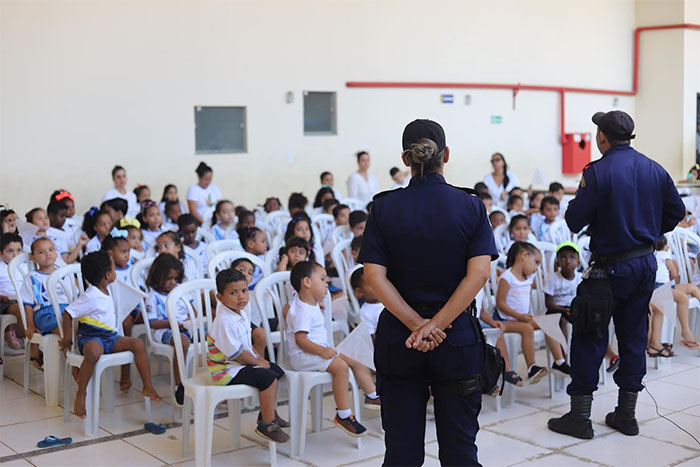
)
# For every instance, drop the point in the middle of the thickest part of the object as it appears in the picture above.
(692, 345)
(660, 352)
(156, 429)
(51, 441)
(513, 378)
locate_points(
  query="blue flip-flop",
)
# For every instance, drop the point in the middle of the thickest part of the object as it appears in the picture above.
(156, 429)
(51, 441)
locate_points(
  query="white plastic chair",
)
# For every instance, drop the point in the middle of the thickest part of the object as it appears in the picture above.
(276, 218)
(354, 302)
(271, 294)
(343, 261)
(559, 232)
(219, 246)
(325, 225)
(201, 394)
(17, 270)
(223, 260)
(342, 232)
(584, 246)
(5, 321)
(502, 237)
(303, 384)
(549, 256)
(193, 256)
(206, 217)
(354, 204)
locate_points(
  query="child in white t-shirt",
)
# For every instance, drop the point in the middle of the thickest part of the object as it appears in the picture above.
(151, 223)
(513, 306)
(550, 211)
(97, 225)
(231, 358)
(222, 220)
(97, 334)
(372, 307)
(188, 232)
(10, 246)
(311, 350)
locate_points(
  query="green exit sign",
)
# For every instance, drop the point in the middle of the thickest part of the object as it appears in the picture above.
(496, 119)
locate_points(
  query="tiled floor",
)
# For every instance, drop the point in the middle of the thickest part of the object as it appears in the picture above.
(515, 436)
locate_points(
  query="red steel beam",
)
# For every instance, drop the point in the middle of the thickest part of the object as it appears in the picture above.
(562, 90)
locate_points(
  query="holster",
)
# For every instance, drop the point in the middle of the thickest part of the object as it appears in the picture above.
(594, 304)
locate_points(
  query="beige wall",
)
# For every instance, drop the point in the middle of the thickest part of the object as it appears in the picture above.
(89, 84)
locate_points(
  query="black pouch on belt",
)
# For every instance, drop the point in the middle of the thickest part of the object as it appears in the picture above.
(593, 306)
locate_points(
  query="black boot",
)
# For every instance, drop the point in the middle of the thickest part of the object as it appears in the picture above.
(577, 422)
(622, 419)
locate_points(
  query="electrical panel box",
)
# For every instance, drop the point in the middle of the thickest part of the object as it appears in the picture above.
(575, 152)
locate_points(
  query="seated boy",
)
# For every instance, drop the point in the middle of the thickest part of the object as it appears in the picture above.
(357, 221)
(96, 335)
(372, 307)
(355, 247)
(550, 210)
(231, 358)
(309, 349)
(10, 246)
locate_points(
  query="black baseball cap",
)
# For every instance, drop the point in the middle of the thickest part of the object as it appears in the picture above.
(419, 129)
(616, 124)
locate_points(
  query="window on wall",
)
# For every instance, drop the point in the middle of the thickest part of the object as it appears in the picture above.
(220, 130)
(319, 113)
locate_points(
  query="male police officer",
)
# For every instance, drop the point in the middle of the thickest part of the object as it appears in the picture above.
(628, 201)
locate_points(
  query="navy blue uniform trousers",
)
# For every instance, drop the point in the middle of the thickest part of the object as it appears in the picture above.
(403, 380)
(632, 285)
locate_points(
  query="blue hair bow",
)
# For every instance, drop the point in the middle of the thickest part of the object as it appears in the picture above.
(93, 210)
(116, 233)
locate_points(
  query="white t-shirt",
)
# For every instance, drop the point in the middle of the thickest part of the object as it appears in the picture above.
(562, 290)
(201, 251)
(205, 197)
(231, 334)
(150, 236)
(518, 297)
(156, 311)
(34, 291)
(496, 190)
(94, 309)
(361, 189)
(369, 314)
(6, 287)
(94, 244)
(130, 198)
(305, 318)
(662, 273)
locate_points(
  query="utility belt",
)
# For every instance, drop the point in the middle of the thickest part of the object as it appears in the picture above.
(637, 252)
(493, 368)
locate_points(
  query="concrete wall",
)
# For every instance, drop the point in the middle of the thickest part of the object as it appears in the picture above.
(86, 85)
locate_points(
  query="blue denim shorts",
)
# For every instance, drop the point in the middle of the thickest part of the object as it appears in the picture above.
(45, 319)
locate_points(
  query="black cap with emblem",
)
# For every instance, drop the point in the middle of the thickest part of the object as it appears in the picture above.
(616, 125)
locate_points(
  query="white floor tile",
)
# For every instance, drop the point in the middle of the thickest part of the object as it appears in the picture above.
(620, 450)
(17, 463)
(670, 396)
(533, 429)
(133, 416)
(692, 462)
(9, 390)
(556, 460)
(23, 437)
(5, 450)
(27, 409)
(253, 456)
(663, 430)
(693, 411)
(489, 416)
(690, 378)
(112, 453)
(344, 448)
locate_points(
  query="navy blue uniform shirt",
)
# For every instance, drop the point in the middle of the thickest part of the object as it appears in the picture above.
(627, 199)
(424, 234)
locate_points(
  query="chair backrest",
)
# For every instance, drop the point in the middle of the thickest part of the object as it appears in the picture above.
(325, 225)
(271, 295)
(559, 232)
(354, 310)
(68, 280)
(18, 269)
(200, 315)
(139, 273)
(272, 259)
(354, 204)
(214, 248)
(342, 232)
(549, 255)
(679, 241)
(193, 256)
(501, 235)
(343, 261)
(276, 218)
(224, 260)
(203, 235)
(207, 217)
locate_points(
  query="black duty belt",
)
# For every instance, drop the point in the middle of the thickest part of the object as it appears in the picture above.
(624, 255)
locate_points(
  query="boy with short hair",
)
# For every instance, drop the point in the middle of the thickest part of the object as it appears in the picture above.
(486, 198)
(341, 213)
(310, 350)
(355, 247)
(231, 358)
(550, 210)
(496, 218)
(357, 221)
(372, 307)
(96, 315)
(10, 246)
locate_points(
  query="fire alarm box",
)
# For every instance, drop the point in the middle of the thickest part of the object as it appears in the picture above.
(575, 152)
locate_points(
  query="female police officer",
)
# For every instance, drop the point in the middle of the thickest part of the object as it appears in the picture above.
(427, 250)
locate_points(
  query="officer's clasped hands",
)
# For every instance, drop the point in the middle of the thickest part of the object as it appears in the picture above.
(427, 337)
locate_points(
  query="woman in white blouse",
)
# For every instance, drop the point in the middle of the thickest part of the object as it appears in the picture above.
(362, 185)
(203, 194)
(120, 191)
(501, 180)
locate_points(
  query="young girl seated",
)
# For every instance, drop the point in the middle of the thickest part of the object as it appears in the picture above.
(222, 220)
(96, 332)
(96, 225)
(172, 214)
(300, 226)
(295, 250)
(40, 218)
(297, 203)
(310, 350)
(151, 223)
(667, 270)
(34, 294)
(513, 308)
(170, 194)
(515, 205)
(245, 267)
(169, 242)
(72, 222)
(165, 274)
(135, 238)
(231, 358)
(143, 194)
(11, 245)
(497, 217)
(188, 232)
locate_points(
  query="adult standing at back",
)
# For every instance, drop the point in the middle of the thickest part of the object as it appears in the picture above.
(501, 180)
(629, 201)
(203, 194)
(362, 185)
(427, 251)
(119, 191)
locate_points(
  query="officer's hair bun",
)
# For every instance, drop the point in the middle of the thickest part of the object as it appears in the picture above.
(422, 151)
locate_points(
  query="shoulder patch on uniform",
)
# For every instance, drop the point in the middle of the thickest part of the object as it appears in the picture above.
(583, 182)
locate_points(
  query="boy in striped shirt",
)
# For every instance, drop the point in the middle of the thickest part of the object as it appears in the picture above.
(231, 358)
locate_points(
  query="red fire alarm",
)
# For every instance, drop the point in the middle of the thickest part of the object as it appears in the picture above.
(575, 152)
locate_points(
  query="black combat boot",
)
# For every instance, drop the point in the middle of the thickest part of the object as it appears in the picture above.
(623, 418)
(577, 422)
